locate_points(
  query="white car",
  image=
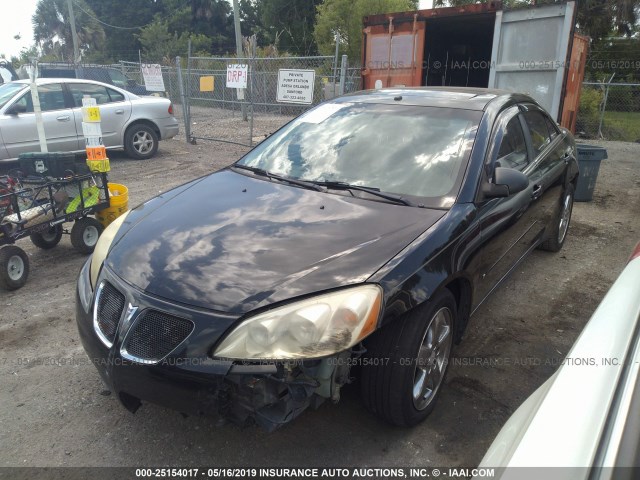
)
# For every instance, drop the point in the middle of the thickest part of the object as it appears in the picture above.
(127, 120)
(587, 415)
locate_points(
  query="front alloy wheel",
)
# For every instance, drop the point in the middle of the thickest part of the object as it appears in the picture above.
(406, 362)
(432, 358)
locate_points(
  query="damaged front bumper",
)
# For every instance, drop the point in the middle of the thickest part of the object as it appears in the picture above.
(187, 379)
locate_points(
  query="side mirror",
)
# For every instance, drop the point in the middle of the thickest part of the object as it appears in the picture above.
(16, 109)
(506, 182)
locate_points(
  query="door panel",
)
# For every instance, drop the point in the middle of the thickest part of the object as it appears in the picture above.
(525, 61)
(113, 114)
(394, 54)
(20, 133)
(510, 226)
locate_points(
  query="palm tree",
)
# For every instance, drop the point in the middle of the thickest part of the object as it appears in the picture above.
(52, 28)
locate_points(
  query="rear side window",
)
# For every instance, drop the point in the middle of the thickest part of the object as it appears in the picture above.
(553, 128)
(115, 95)
(79, 90)
(540, 136)
(513, 149)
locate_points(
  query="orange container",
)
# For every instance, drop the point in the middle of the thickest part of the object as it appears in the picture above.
(96, 153)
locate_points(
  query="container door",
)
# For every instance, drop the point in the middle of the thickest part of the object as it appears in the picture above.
(531, 51)
(575, 77)
(393, 54)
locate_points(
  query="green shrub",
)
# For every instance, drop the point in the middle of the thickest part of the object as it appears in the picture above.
(588, 119)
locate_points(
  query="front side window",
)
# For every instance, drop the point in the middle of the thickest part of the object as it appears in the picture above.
(408, 150)
(51, 98)
(513, 148)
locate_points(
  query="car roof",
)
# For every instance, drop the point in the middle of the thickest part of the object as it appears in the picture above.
(44, 81)
(467, 98)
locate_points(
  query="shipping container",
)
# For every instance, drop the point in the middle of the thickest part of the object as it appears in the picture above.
(530, 50)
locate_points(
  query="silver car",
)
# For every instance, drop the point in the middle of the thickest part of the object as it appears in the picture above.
(128, 121)
(585, 420)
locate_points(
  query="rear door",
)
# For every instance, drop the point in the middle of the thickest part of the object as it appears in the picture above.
(531, 51)
(393, 53)
(115, 111)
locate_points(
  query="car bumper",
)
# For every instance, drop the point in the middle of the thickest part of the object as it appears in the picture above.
(188, 379)
(169, 128)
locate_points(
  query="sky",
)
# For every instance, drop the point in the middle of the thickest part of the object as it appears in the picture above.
(18, 21)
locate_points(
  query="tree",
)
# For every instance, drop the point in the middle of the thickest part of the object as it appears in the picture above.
(52, 29)
(160, 45)
(288, 24)
(345, 17)
(122, 17)
(596, 18)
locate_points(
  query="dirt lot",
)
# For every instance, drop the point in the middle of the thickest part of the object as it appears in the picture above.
(59, 415)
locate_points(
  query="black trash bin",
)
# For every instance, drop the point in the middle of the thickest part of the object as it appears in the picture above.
(589, 158)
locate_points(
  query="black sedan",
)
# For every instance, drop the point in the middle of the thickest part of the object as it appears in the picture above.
(354, 242)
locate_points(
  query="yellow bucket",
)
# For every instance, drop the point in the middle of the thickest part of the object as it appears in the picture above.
(118, 204)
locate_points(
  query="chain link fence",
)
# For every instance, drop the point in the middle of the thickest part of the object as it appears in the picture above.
(609, 111)
(216, 112)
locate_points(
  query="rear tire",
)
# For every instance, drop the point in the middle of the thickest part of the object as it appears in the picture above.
(48, 239)
(141, 141)
(406, 362)
(558, 234)
(14, 267)
(85, 234)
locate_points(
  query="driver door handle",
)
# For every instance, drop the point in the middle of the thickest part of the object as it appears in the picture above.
(64, 118)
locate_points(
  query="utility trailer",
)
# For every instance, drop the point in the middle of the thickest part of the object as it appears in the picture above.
(38, 207)
(533, 50)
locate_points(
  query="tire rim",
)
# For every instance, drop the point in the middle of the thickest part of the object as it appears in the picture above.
(90, 236)
(143, 142)
(50, 235)
(565, 217)
(432, 358)
(15, 268)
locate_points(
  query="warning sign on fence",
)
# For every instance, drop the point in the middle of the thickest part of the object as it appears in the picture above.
(237, 76)
(152, 75)
(296, 86)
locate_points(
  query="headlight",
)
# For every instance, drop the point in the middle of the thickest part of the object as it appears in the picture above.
(311, 328)
(103, 246)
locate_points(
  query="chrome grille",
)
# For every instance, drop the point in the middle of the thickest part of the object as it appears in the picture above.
(110, 304)
(155, 335)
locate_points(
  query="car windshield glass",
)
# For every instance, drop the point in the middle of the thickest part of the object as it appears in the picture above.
(118, 78)
(8, 90)
(413, 151)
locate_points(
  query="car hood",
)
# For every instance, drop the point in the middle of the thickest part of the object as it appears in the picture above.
(232, 242)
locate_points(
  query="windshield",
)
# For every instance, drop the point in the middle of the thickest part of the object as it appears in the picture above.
(8, 90)
(118, 78)
(408, 150)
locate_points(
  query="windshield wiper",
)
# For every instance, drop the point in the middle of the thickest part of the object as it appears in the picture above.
(275, 176)
(371, 190)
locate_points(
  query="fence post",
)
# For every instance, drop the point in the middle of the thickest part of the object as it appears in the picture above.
(185, 115)
(343, 74)
(604, 105)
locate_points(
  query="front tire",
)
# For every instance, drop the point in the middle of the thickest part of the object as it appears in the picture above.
(558, 233)
(406, 362)
(14, 267)
(85, 234)
(141, 141)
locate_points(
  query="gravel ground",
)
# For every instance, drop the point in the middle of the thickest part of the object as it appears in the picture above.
(55, 414)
